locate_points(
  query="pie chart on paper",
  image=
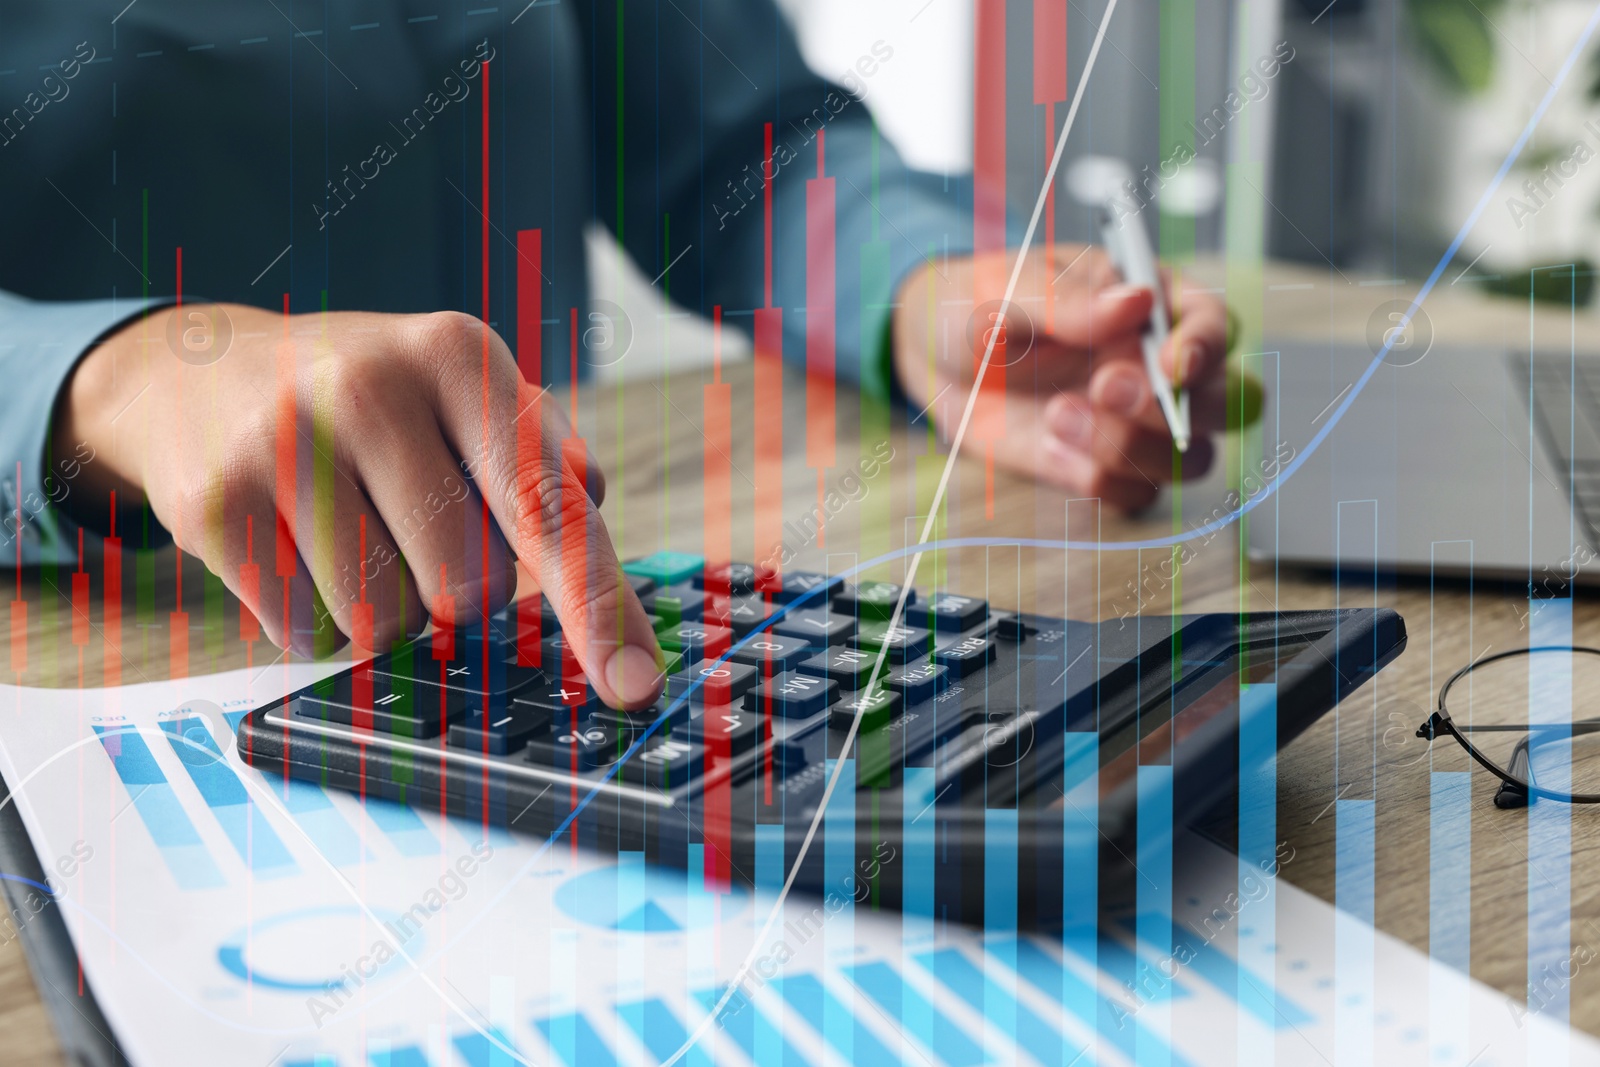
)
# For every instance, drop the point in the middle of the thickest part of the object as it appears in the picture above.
(637, 899)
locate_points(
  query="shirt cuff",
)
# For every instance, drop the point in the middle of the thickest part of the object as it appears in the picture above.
(42, 344)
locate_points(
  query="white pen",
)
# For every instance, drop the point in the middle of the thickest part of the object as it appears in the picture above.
(1129, 249)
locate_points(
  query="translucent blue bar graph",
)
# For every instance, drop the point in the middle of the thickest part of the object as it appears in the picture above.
(752, 1031)
(813, 1001)
(477, 1050)
(316, 1061)
(573, 1039)
(180, 844)
(1113, 1023)
(404, 828)
(247, 828)
(906, 1005)
(985, 996)
(661, 1032)
(396, 1056)
(313, 812)
(1253, 992)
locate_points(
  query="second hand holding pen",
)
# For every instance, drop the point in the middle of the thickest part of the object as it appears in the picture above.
(1129, 249)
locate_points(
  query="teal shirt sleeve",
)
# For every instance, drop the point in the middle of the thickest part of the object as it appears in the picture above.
(40, 344)
(688, 151)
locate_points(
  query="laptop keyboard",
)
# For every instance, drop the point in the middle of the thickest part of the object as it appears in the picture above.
(1566, 409)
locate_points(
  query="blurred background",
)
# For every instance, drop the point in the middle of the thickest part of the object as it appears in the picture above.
(1376, 133)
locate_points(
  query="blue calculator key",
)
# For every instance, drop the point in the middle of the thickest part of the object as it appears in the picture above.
(918, 681)
(502, 731)
(793, 695)
(641, 584)
(666, 568)
(774, 650)
(792, 585)
(947, 611)
(677, 603)
(735, 579)
(876, 706)
(732, 730)
(850, 667)
(903, 642)
(720, 683)
(872, 600)
(695, 640)
(819, 627)
(741, 614)
(664, 762)
(966, 654)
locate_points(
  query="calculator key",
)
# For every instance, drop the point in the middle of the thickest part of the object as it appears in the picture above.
(666, 568)
(589, 746)
(664, 762)
(502, 731)
(556, 654)
(464, 674)
(741, 614)
(850, 667)
(560, 694)
(696, 640)
(734, 731)
(642, 584)
(818, 627)
(918, 681)
(966, 654)
(793, 695)
(876, 706)
(677, 603)
(417, 709)
(657, 623)
(792, 585)
(1008, 625)
(735, 579)
(720, 683)
(780, 652)
(946, 611)
(903, 642)
(872, 600)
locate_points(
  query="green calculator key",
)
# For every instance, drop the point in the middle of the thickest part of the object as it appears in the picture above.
(666, 568)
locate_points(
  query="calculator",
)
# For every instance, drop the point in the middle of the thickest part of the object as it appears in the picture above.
(997, 752)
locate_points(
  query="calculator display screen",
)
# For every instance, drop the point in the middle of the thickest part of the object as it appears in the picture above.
(1204, 694)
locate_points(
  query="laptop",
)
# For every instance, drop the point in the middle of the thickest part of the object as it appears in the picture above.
(1467, 462)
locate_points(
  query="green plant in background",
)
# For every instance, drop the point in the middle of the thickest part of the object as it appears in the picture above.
(1457, 37)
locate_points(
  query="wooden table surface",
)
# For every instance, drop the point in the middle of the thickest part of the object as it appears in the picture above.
(648, 435)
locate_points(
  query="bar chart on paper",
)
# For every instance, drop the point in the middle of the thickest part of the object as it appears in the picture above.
(229, 917)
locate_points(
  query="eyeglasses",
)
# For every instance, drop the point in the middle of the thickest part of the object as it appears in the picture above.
(1512, 712)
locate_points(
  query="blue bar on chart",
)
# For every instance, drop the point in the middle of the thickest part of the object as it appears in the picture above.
(1111, 1022)
(485, 1050)
(179, 843)
(1250, 990)
(1258, 859)
(751, 1030)
(653, 1023)
(315, 1061)
(313, 812)
(918, 837)
(245, 825)
(382, 1054)
(1549, 830)
(575, 1041)
(841, 1029)
(834, 1018)
(916, 1015)
(1450, 905)
(1154, 893)
(986, 997)
(1354, 944)
(403, 826)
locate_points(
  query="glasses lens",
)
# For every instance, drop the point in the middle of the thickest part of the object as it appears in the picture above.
(1534, 717)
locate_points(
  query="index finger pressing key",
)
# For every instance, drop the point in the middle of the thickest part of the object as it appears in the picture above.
(535, 484)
